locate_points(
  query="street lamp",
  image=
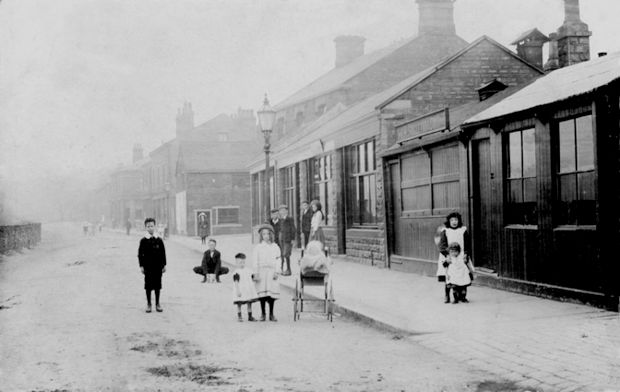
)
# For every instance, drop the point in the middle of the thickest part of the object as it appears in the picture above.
(266, 118)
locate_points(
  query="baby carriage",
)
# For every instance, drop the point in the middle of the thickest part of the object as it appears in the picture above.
(314, 267)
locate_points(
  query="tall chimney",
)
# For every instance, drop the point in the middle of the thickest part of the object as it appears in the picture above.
(185, 119)
(348, 48)
(573, 37)
(436, 17)
(138, 153)
(553, 63)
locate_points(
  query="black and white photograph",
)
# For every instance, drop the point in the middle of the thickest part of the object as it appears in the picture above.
(310, 195)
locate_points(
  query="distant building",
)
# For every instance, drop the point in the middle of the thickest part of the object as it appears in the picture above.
(200, 174)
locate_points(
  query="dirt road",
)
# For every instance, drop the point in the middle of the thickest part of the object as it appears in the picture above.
(72, 319)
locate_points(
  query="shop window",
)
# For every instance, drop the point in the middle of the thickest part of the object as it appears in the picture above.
(227, 215)
(288, 188)
(362, 184)
(430, 182)
(576, 203)
(521, 177)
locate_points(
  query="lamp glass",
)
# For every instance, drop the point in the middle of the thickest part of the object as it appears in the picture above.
(266, 116)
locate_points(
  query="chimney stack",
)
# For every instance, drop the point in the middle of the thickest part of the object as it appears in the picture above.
(348, 48)
(138, 153)
(436, 17)
(185, 119)
(573, 38)
(529, 46)
(553, 63)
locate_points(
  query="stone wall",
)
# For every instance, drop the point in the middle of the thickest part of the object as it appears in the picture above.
(16, 237)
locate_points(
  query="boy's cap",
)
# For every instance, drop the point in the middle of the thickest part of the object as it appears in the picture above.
(283, 206)
(240, 256)
(274, 210)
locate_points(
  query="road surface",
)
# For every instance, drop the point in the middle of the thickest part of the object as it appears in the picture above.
(72, 319)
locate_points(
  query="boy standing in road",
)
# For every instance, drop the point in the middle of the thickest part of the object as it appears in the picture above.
(152, 259)
(287, 237)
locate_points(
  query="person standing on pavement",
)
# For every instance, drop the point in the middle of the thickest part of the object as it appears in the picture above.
(211, 263)
(265, 265)
(204, 230)
(128, 226)
(318, 220)
(455, 232)
(274, 221)
(306, 223)
(458, 273)
(287, 237)
(152, 259)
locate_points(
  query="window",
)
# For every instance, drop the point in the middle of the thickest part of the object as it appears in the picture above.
(521, 177)
(430, 182)
(288, 175)
(321, 182)
(222, 137)
(576, 204)
(256, 200)
(362, 184)
(227, 215)
(299, 118)
(320, 110)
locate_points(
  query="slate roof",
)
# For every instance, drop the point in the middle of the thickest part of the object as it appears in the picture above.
(533, 33)
(559, 85)
(335, 78)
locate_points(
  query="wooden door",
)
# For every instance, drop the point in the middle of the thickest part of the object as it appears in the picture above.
(396, 210)
(482, 194)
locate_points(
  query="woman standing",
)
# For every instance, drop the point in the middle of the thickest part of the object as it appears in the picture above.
(318, 220)
(265, 259)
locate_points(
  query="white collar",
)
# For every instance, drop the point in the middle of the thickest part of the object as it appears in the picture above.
(149, 236)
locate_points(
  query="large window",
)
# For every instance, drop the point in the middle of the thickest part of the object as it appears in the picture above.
(575, 178)
(430, 182)
(521, 177)
(362, 184)
(321, 171)
(227, 215)
(288, 177)
(257, 208)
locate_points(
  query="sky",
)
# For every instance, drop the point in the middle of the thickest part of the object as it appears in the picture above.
(82, 81)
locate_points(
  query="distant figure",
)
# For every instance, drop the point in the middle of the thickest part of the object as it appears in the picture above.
(203, 229)
(306, 223)
(128, 226)
(274, 222)
(318, 220)
(287, 237)
(152, 259)
(85, 227)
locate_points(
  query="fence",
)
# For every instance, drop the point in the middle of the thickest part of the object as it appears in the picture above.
(16, 237)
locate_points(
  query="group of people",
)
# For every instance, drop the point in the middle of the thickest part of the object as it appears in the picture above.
(454, 267)
(256, 282)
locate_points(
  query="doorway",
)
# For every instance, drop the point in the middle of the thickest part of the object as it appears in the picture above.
(483, 240)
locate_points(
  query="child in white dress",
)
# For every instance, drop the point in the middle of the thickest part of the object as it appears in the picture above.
(458, 272)
(244, 291)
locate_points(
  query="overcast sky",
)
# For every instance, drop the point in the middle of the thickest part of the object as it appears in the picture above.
(82, 81)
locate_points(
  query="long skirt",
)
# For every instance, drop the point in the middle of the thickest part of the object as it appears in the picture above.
(318, 236)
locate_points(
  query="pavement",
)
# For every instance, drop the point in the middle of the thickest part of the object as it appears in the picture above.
(539, 344)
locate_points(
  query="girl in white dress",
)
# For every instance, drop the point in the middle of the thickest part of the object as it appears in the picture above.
(458, 272)
(455, 231)
(266, 263)
(244, 291)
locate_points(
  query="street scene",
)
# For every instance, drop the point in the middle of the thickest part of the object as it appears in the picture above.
(325, 195)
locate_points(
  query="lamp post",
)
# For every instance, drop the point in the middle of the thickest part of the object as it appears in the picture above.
(167, 209)
(266, 118)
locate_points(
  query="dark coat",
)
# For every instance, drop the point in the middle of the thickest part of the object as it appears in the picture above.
(306, 220)
(276, 229)
(204, 229)
(287, 230)
(152, 254)
(152, 257)
(212, 265)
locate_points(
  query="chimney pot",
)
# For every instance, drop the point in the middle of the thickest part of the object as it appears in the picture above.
(602, 54)
(573, 37)
(436, 17)
(348, 48)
